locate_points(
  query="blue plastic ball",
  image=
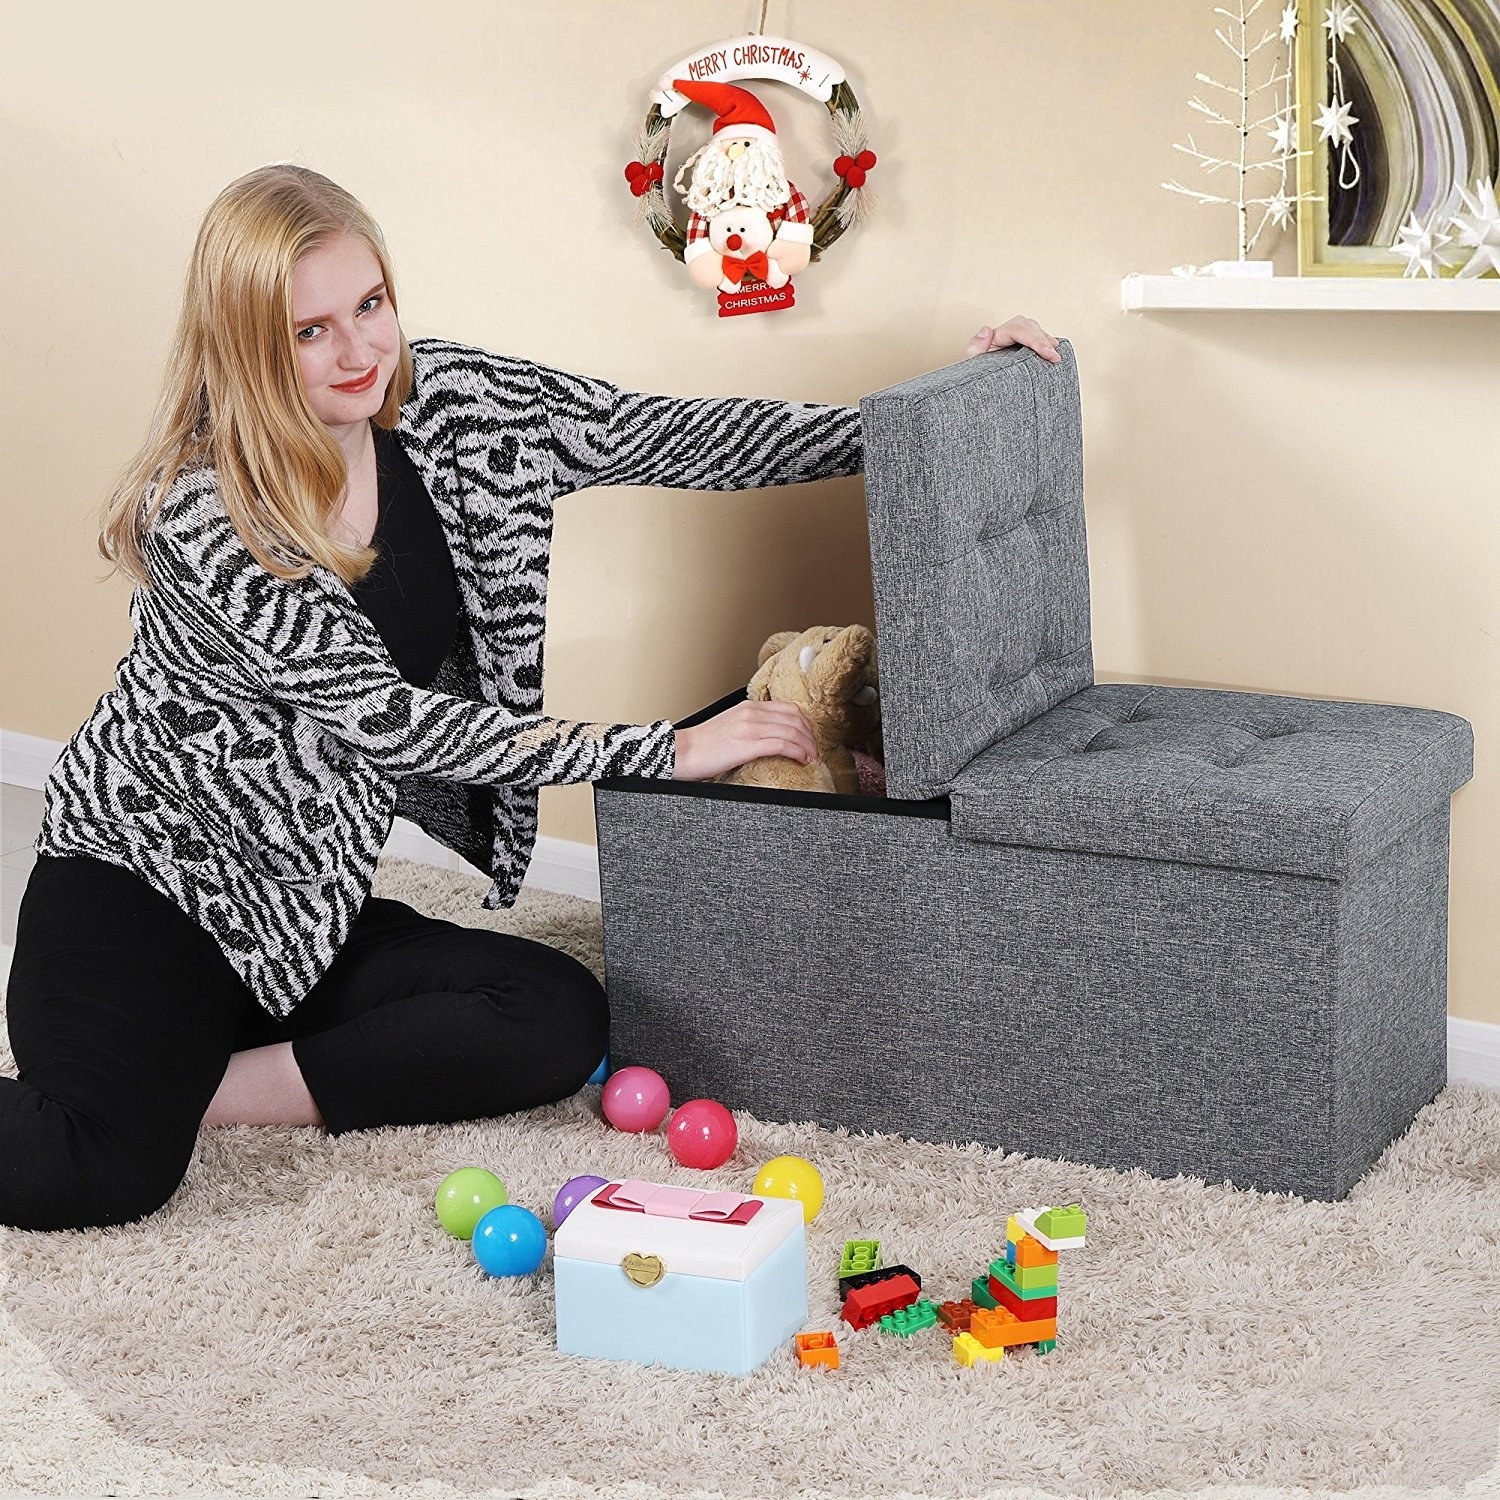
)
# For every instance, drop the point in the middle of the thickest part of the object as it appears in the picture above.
(510, 1241)
(602, 1071)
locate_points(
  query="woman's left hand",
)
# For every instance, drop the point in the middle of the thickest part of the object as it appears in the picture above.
(1018, 331)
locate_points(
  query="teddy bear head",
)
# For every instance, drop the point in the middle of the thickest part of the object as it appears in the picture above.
(830, 672)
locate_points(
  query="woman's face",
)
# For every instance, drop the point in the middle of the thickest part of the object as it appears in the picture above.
(347, 337)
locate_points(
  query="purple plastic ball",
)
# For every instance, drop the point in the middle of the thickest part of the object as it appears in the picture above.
(571, 1194)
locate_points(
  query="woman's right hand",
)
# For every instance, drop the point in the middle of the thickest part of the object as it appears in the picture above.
(744, 732)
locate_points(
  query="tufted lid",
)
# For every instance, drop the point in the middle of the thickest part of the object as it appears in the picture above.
(1247, 780)
(974, 492)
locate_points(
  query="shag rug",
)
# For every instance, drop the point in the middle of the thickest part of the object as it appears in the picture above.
(295, 1322)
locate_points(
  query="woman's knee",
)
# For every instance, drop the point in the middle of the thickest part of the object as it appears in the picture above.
(557, 1020)
(88, 1190)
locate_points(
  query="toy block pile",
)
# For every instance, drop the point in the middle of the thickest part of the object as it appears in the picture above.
(1013, 1303)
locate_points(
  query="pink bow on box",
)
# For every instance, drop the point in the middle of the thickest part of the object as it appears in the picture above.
(678, 1203)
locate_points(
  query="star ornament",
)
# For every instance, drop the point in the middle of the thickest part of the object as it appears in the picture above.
(1336, 121)
(1280, 209)
(1284, 135)
(1479, 229)
(1289, 23)
(1420, 242)
(1340, 19)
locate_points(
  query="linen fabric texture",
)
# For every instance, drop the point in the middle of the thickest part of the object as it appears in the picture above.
(259, 741)
(1187, 930)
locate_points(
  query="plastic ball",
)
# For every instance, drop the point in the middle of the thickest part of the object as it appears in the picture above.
(465, 1196)
(636, 1099)
(702, 1134)
(601, 1073)
(791, 1177)
(510, 1241)
(571, 1194)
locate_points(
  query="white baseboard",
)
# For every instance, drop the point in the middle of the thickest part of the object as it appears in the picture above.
(573, 869)
(556, 864)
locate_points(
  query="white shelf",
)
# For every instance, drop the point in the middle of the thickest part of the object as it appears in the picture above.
(1310, 293)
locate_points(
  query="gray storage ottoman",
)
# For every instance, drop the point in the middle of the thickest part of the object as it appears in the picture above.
(1183, 930)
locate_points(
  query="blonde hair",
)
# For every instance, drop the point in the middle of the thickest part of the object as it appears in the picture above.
(232, 397)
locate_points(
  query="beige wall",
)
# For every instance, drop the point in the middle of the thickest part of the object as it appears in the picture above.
(1302, 503)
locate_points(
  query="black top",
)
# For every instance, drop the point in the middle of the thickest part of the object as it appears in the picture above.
(410, 594)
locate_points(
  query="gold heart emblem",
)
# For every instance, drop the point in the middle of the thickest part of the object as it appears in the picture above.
(644, 1270)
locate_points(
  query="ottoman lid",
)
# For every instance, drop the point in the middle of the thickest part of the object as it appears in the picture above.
(974, 494)
(1246, 780)
(685, 1246)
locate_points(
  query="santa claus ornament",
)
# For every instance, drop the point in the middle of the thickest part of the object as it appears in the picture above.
(749, 230)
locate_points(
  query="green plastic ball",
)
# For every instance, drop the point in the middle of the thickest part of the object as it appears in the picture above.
(465, 1197)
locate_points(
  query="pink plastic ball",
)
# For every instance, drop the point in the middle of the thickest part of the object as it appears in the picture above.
(702, 1134)
(636, 1099)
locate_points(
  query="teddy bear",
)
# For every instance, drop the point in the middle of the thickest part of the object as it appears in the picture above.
(830, 672)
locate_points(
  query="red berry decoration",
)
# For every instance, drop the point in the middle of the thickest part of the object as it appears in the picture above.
(854, 169)
(640, 176)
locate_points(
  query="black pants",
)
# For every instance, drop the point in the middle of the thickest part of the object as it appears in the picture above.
(123, 1013)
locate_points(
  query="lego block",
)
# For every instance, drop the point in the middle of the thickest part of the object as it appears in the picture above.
(1038, 1280)
(1046, 1346)
(1023, 1280)
(954, 1316)
(996, 1327)
(1029, 1252)
(911, 1319)
(859, 1256)
(868, 1278)
(1025, 1309)
(868, 1304)
(981, 1293)
(817, 1349)
(967, 1350)
(1071, 1218)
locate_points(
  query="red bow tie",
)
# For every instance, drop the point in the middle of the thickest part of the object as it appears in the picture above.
(735, 268)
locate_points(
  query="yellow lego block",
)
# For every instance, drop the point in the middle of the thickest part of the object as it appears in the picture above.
(967, 1350)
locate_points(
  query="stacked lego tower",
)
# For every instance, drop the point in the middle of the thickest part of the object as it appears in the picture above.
(1015, 1302)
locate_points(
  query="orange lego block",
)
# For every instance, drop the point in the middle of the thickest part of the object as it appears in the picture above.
(1030, 1252)
(999, 1328)
(819, 1348)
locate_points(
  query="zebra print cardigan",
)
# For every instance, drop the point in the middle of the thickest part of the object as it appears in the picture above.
(259, 740)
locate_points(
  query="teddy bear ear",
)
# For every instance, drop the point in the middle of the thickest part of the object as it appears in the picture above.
(760, 684)
(774, 644)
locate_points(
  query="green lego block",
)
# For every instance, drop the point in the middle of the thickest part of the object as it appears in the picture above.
(1026, 1281)
(1063, 1223)
(1046, 1346)
(981, 1293)
(911, 1319)
(859, 1256)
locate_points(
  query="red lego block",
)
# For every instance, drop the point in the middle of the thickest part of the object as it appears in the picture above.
(1037, 1307)
(869, 1304)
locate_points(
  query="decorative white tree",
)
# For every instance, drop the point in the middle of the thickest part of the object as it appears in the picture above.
(1278, 203)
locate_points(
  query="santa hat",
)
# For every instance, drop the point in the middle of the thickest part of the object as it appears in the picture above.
(740, 112)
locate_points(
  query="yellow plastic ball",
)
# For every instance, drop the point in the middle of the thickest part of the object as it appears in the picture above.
(791, 1177)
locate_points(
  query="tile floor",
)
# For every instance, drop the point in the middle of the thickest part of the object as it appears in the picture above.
(20, 822)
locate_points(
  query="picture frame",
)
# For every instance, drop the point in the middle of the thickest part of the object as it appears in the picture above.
(1423, 80)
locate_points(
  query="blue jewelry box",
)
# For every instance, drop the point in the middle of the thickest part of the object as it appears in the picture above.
(693, 1280)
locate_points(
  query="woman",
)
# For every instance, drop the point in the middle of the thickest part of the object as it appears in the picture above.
(197, 943)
